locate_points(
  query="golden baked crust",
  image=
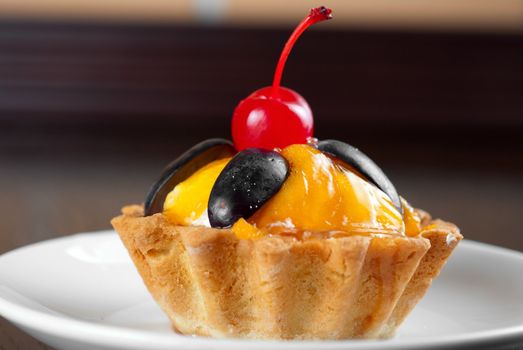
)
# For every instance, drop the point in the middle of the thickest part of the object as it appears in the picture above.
(211, 283)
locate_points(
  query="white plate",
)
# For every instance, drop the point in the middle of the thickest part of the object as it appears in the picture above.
(82, 292)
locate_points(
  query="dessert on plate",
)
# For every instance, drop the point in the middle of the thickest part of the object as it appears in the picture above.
(278, 235)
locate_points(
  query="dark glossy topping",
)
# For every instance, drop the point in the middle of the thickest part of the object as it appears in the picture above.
(183, 167)
(364, 165)
(251, 178)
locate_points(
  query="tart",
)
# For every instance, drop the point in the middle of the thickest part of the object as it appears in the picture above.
(281, 236)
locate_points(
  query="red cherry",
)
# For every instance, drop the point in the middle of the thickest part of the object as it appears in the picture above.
(267, 120)
(274, 116)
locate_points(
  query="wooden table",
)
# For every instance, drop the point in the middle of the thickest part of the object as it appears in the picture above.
(43, 199)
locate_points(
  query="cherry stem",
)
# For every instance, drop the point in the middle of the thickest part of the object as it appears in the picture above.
(315, 15)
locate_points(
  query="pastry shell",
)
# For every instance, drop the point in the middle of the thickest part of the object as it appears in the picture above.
(211, 283)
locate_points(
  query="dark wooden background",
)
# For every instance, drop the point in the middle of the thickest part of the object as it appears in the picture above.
(90, 113)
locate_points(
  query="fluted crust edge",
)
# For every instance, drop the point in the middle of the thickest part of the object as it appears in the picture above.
(211, 283)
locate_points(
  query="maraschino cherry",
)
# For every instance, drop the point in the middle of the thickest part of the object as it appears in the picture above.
(274, 116)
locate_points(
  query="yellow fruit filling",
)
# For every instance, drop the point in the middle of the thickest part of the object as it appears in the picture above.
(186, 204)
(320, 196)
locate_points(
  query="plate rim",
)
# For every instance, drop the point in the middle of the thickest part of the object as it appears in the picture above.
(65, 327)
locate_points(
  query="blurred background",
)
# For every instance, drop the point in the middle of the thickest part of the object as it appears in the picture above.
(97, 96)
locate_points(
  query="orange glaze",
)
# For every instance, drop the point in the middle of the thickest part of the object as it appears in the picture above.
(321, 197)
